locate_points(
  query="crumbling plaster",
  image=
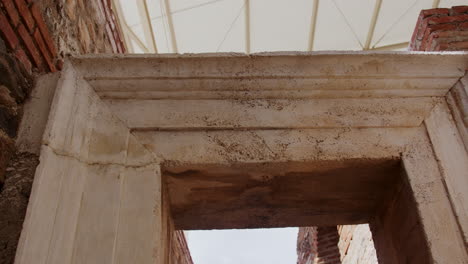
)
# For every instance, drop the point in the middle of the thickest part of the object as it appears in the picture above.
(118, 122)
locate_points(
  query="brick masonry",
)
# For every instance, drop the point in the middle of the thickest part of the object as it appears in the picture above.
(346, 244)
(441, 29)
(306, 245)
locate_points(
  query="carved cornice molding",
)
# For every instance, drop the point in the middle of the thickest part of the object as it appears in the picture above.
(273, 75)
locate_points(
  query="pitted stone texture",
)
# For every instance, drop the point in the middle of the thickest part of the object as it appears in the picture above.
(81, 27)
(35, 114)
(435, 212)
(356, 245)
(6, 151)
(216, 163)
(14, 197)
(291, 75)
(274, 145)
(271, 113)
(86, 149)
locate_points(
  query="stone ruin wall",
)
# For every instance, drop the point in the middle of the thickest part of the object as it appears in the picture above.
(345, 244)
(35, 35)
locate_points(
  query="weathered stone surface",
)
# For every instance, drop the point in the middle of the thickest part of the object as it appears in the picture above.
(219, 174)
(443, 234)
(397, 228)
(6, 151)
(271, 113)
(273, 75)
(79, 26)
(356, 245)
(453, 160)
(457, 100)
(141, 196)
(85, 149)
(5, 97)
(280, 194)
(35, 114)
(14, 77)
(274, 145)
(14, 197)
(15, 84)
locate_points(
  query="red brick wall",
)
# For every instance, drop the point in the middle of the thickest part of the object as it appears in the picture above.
(344, 244)
(306, 245)
(318, 245)
(327, 246)
(23, 28)
(441, 29)
(27, 37)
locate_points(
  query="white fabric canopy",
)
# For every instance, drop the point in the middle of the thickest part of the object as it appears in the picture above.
(194, 26)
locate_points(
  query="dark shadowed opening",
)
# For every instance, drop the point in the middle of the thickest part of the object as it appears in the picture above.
(326, 194)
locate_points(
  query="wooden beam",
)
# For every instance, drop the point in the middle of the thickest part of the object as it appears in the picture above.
(375, 16)
(435, 3)
(313, 23)
(167, 8)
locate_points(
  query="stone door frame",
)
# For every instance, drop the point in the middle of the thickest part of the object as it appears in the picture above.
(115, 121)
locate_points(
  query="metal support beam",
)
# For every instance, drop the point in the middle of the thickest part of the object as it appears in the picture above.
(247, 26)
(375, 16)
(392, 46)
(313, 23)
(435, 3)
(134, 37)
(122, 24)
(127, 30)
(147, 26)
(167, 10)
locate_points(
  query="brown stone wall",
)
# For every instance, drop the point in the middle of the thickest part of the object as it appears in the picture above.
(397, 230)
(34, 37)
(14, 198)
(356, 244)
(82, 26)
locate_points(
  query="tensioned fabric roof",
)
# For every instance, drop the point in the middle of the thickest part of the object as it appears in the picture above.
(194, 26)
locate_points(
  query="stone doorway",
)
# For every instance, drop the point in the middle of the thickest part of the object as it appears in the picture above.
(137, 147)
(324, 194)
